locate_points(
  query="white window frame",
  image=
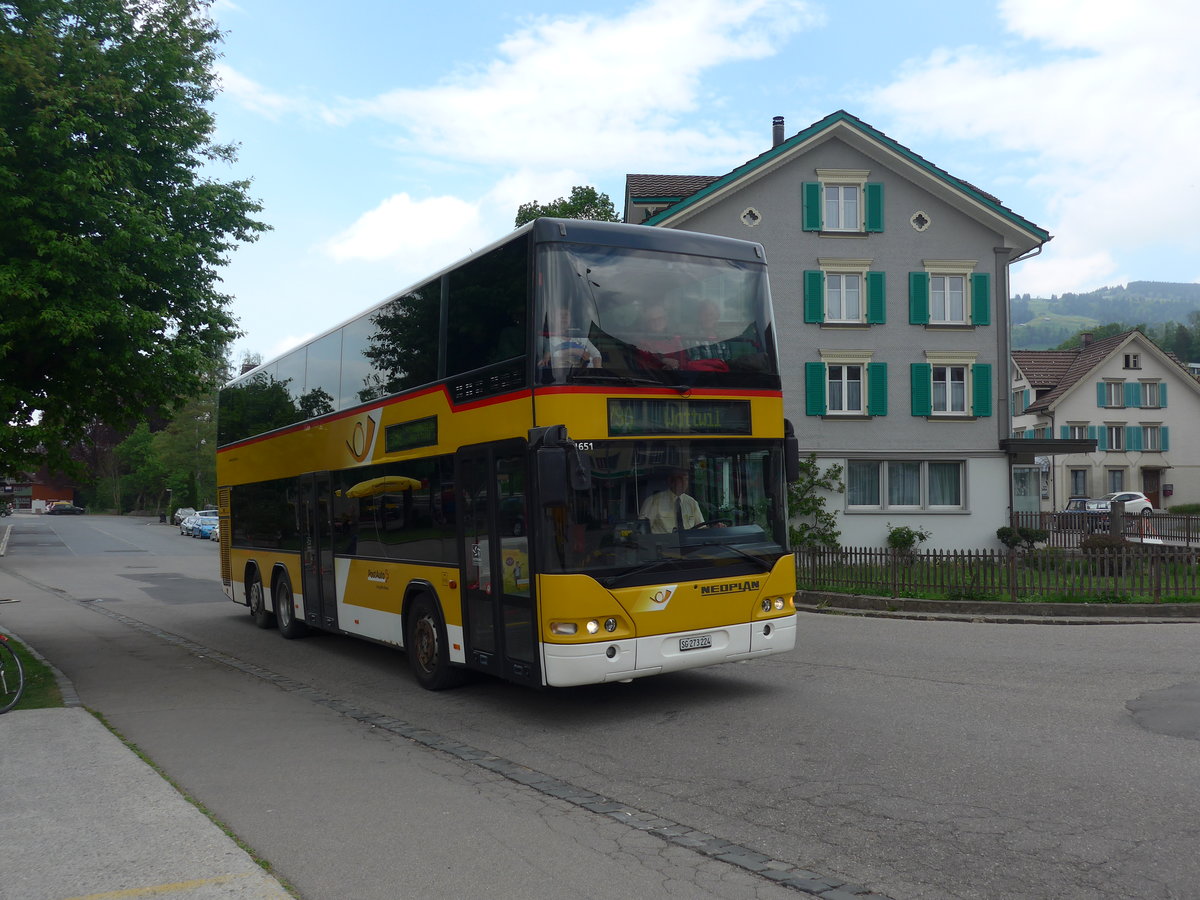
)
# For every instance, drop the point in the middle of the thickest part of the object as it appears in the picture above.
(1079, 490)
(1152, 438)
(941, 270)
(846, 358)
(1077, 432)
(840, 269)
(843, 383)
(1114, 391)
(951, 359)
(1150, 395)
(1115, 479)
(886, 469)
(939, 286)
(948, 384)
(1113, 435)
(1132, 361)
(845, 184)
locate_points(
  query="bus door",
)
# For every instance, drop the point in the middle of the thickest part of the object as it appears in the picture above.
(316, 559)
(499, 621)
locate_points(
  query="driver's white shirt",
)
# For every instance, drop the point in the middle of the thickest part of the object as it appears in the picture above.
(660, 510)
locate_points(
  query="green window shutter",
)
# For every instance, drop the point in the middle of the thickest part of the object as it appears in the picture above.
(877, 389)
(981, 299)
(981, 400)
(873, 191)
(811, 206)
(1133, 394)
(1101, 397)
(1164, 437)
(1134, 437)
(1094, 435)
(918, 298)
(1101, 437)
(921, 388)
(1025, 401)
(876, 298)
(814, 389)
(814, 296)
(1162, 394)
(1064, 431)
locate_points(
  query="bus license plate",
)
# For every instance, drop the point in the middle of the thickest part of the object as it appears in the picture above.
(696, 642)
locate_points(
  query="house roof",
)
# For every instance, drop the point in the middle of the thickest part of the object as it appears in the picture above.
(863, 135)
(666, 187)
(1064, 369)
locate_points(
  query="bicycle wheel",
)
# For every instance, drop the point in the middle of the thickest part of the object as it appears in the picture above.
(12, 676)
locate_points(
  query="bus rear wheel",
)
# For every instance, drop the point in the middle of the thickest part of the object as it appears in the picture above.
(428, 653)
(285, 610)
(258, 601)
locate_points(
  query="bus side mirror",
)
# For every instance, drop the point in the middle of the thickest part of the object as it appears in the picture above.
(552, 476)
(791, 453)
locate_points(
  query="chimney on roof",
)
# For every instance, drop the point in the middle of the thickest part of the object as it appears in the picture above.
(777, 131)
(1085, 339)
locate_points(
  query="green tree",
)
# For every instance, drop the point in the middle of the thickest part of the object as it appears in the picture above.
(186, 452)
(584, 203)
(111, 232)
(812, 525)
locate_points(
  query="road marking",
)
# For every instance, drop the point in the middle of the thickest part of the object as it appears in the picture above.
(158, 890)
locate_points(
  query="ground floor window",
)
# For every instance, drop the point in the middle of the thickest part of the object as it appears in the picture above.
(905, 484)
(1079, 482)
(1116, 480)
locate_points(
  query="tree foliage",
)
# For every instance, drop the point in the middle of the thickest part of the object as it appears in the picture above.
(811, 525)
(585, 202)
(111, 232)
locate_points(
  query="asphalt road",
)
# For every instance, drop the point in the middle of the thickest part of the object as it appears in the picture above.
(920, 759)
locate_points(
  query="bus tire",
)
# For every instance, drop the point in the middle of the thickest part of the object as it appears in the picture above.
(257, 601)
(425, 643)
(285, 609)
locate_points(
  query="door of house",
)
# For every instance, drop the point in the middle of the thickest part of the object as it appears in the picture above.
(1151, 485)
(1027, 489)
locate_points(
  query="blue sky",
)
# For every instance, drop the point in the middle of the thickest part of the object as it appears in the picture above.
(387, 139)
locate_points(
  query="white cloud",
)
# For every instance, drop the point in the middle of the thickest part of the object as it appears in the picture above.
(1102, 107)
(593, 90)
(416, 235)
(253, 96)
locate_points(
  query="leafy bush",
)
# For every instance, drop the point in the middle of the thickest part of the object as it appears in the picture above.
(1103, 541)
(1021, 537)
(905, 539)
(1184, 509)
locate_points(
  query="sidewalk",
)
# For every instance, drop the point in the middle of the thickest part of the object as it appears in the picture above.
(86, 818)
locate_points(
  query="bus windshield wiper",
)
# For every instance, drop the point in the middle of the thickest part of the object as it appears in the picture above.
(766, 567)
(594, 377)
(661, 562)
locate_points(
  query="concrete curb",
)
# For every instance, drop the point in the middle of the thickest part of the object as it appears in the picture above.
(999, 612)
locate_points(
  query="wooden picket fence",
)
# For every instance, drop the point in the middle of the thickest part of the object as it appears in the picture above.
(1136, 573)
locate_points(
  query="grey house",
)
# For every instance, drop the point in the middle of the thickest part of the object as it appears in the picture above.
(890, 282)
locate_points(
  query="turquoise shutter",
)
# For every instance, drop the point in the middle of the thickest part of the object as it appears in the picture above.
(1100, 395)
(918, 298)
(1134, 437)
(1064, 431)
(876, 298)
(981, 399)
(877, 389)
(814, 296)
(1101, 437)
(1162, 394)
(921, 388)
(1094, 434)
(1133, 394)
(981, 299)
(1025, 400)
(873, 191)
(814, 389)
(811, 206)
(1164, 437)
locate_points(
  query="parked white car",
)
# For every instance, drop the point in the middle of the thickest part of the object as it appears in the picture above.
(1135, 503)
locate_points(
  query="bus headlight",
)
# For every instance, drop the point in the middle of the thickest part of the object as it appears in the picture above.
(610, 624)
(593, 626)
(563, 628)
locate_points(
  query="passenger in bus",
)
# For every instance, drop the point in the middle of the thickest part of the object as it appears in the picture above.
(658, 347)
(672, 509)
(566, 347)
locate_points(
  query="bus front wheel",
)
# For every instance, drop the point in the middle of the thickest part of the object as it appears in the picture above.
(428, 653)
(285, 610)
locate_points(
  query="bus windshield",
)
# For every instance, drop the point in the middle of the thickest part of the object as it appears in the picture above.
(625, 528)
(623, 316)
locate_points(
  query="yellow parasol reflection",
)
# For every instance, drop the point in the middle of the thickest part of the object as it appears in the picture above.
(384, 485)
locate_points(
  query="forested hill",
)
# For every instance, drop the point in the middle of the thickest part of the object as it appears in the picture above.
(1040, 323)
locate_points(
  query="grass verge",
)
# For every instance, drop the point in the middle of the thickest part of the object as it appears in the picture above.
(41, 687)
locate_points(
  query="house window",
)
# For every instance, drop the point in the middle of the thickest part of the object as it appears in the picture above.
(1114, 394)
(1150, 395)
(1114, 436)
(843, 298)
(904, 484)
(841, 208)
(949, 390)
(947, 300)
(842, 201)
(1018, 401)
(1132, 361)
(1079, 482)
(1077, 432)
(845, 385)
(1116, 480)
(1151, 437)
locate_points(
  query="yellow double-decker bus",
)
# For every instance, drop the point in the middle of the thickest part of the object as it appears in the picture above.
(561, 461)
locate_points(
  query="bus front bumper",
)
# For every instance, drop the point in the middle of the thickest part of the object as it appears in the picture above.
(566, 665)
